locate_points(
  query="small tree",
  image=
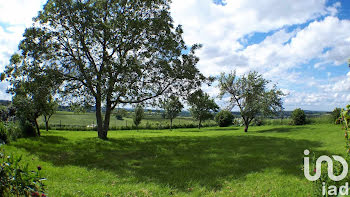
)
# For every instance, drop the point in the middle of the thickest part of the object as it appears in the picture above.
(335, 115)
(30, 104)
(33, 91)
(138, 115)
(201, 106)
(120, 114)
(251, 95)
(172, 108)
(50, 109)
(298, 117)
(224, 118)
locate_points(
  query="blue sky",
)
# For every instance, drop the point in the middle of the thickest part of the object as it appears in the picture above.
(302, 46)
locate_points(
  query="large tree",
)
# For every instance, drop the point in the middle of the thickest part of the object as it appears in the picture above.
(251, 95)
(111, 52)
(172, 107)
(202, 106)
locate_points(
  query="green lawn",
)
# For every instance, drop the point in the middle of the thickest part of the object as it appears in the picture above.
(266, 161)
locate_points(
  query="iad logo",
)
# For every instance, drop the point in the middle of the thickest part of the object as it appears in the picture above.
(330, 167)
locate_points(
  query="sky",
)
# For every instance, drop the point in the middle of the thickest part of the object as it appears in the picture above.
(302, 46)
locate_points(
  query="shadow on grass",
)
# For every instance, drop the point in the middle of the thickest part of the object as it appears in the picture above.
(223, 128)
(282, 129)
(176, 161)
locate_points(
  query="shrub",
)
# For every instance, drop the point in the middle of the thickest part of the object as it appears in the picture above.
(224, 118)
(13, 131)
(257, 122)
(335, 115)
(27, 129)
(16, 179)
(298, 117)
(3, 134)
(138, 115)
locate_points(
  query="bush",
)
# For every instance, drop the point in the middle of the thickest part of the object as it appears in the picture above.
(335, 115)
(224, 118)
(17, 180)
(298, 117)
(3, 134)
(27, 129)
(257, 122)
(14, 131)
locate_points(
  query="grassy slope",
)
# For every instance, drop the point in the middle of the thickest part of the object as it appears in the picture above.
(266, 161)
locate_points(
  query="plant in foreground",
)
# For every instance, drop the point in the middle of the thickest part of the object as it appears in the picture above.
(17, 180)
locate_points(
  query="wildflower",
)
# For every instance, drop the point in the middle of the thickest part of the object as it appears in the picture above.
(43, 195)
(39, 168)
(314, 169)
(35, 194)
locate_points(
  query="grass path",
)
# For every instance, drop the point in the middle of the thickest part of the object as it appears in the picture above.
(266, 161)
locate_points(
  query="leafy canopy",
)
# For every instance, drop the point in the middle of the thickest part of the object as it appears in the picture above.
(110, 52)
(138, 115)
(251, 95)
(202, 106)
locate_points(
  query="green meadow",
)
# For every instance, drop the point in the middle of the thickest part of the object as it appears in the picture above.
(212, 161)
(84, 119)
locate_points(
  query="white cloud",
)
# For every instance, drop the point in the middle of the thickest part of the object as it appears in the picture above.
(19, 12)
(224, 30)
(15, 16)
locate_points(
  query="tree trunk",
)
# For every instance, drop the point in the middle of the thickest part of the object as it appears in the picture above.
(171, 124)
(107, 119)
(100, 129)
(246, 123)
(200, 124)
(46, 123)
(37, 127)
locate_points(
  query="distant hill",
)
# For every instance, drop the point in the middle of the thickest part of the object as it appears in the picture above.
(5, 102)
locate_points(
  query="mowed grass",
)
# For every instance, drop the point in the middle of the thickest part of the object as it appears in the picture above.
(266, 161)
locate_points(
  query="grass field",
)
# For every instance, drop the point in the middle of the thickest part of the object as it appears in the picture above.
(266, 161)
(89, 118)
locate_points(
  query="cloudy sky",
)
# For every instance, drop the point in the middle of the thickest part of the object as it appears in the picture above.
(301, 45)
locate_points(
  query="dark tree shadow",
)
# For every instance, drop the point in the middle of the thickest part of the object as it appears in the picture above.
(223, 128)
(176, 161)
(283, 129)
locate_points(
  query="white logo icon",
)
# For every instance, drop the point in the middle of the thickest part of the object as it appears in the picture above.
(330, 167)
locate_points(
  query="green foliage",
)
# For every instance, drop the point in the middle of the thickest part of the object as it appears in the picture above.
(110, 52)
(202, 106)
(120, 114)
(3, 134)
(27, 129)
(224, 118)
(16, 179)
(298, 117)
(138, 115)
(15, 131)
(11, 131)
(335, 115)
(172, 107)
(7, 113)
(251, 95)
